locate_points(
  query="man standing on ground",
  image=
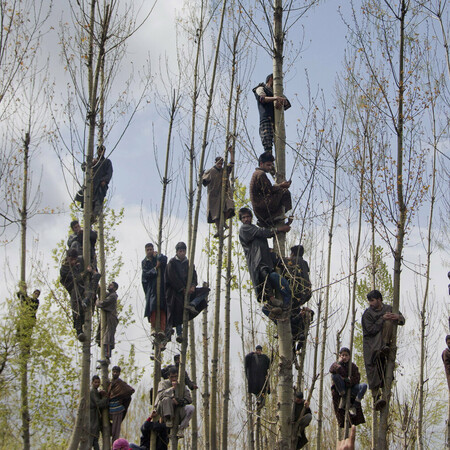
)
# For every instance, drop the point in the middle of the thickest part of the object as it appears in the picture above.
(267, 103)
(213, 180)
(176, 279)
(99, 401)
(270, 201)
(377, 325)
(119, 395)
(260, 262)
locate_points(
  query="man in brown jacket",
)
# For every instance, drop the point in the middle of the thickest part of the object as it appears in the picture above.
(213, 180)
(269, 201)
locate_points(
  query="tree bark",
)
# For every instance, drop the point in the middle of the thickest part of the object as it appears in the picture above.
(285, 377)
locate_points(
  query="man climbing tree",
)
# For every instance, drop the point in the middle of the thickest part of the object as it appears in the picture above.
(119, 395)
(176, 278)
(28, 310)
(72, 274)
(269, 201)
(109, 305)
(341, 383)
(167, 401)
(103, 170)
(76, 240)
(257, 366)
(261, 265)
(213, 180)
(301, 418)
(150, 266)
(267, 102)
(378, 322)
(166, 370)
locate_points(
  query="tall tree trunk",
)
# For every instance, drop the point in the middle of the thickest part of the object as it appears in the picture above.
(206, 394)
(80, 432)
(229, 276)
(327, 303)
(194, 230)
(104, 366)
(25, 346)
(354, 285)
(400, 236)
(423, 312)
(165, 182)
(284, 325)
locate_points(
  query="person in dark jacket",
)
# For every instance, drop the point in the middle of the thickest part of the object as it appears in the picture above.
(99, 401)
(76, 240)
(72, 275)
(103, 170)
(267, 103)
(269, 201)
(257, 366)
(151, 426)
(378, 322)
(446, 360)
(341, 382)
(176, 277)
(260, 262)
(301, 417)
(153, 264)
(109, 306)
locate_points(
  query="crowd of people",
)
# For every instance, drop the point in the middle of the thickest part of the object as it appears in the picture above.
(282, 286)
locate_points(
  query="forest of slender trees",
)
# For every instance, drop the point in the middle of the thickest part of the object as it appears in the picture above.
(161, 91)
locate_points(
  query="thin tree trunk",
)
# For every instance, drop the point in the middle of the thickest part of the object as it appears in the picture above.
(205, 394)
(25, 347)
(80, 432)
(106, 426)
(194, 233)
(285, 377)
(398, 252)
(327, 302)
(354, 286)
(165, 182)
(423, 312)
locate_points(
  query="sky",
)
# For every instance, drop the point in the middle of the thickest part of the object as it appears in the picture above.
(136, 187)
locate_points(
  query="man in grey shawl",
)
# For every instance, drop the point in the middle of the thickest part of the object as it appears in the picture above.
(167, 401)
(213, 180)
(109, 306)
(378, 323)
